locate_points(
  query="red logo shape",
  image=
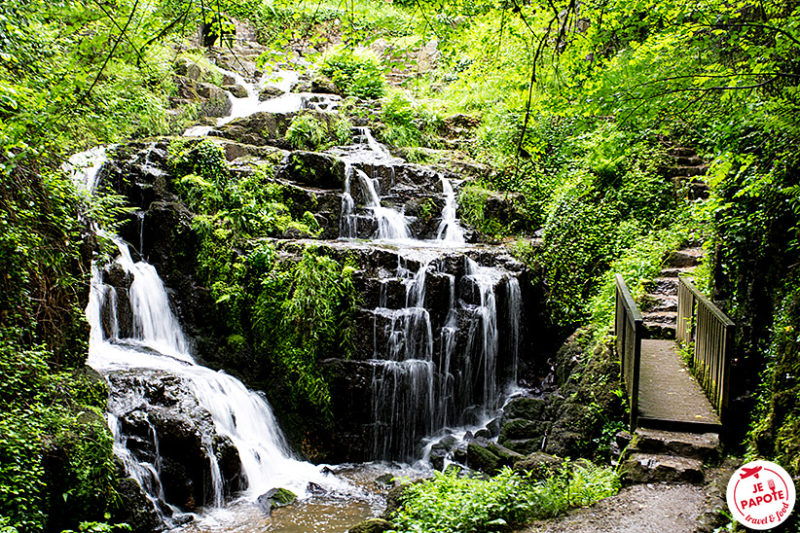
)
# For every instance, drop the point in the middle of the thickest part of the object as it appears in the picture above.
(761, 495)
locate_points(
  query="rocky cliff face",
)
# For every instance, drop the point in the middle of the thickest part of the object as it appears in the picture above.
(441, 328)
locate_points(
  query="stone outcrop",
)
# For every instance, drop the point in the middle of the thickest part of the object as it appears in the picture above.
(164, 425)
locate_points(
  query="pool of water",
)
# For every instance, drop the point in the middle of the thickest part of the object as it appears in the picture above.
(329, 513)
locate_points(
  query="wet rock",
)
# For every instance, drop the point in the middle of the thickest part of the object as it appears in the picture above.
(274, 499)
(314, 168)
(481, 458)
(525, 408)
(540, 465)
(216, 102)
(386, 480)
(269, 92)
(163, 422)
(316, 489)
(136, 510)
(236, 90)
(372, 525)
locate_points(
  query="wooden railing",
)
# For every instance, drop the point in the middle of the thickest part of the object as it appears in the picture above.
(628, 329)
(702, 322)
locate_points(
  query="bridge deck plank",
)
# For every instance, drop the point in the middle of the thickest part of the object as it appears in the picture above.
(667, 390)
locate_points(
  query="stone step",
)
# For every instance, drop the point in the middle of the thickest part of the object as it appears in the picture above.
(666, 286)
(688, 160)
(703, 447)
(685, 170)
(674, 272)
(655, 468)
(657, 329)
(690, 187)
(686, 257)
(657, 303)
(681, 151)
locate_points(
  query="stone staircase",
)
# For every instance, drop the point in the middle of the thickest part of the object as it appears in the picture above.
(651, 455)
(667, 456)
(660, 306)
(687, 172)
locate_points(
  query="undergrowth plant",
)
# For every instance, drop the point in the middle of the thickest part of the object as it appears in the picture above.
(452, 502)
(355, 72)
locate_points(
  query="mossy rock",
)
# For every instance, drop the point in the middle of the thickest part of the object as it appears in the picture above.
(315, 169)
(481, 458)
(519, 428)
(526, 408)
(372, 525)
(540, 465)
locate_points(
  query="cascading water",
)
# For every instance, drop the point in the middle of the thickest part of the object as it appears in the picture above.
(392, 224)
(157, 343)
(418, 389)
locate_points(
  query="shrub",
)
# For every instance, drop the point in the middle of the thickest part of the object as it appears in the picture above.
(355, 72)
(305, 132)
(406, 124)
(451, 503)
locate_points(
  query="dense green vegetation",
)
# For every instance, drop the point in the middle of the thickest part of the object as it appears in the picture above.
(450, 502)
(574, 106)
(293, 314)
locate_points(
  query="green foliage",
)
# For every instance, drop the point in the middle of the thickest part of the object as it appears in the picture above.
(638, 264)
(450, 503)
(408, 124)
(472, 202)
(777, 417)
(56, 460)
(303, 313)
(305, 132)
(355, 72)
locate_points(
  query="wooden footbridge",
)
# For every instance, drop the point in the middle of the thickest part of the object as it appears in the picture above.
(668, 391)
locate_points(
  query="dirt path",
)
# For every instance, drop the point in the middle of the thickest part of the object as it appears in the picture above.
(637, 509)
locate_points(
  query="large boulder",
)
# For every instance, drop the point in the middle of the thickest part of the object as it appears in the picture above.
(313, 168)
(479, 457)
(540, 465)
(274, 499)
(258, 129)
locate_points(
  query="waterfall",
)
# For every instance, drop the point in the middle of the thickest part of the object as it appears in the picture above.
(514, 302)
(418, 389)
(449, 230)
(392, 224)
(157, 343)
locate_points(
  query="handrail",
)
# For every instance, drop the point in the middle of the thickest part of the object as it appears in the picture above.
(628, 331)
(702, 322)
